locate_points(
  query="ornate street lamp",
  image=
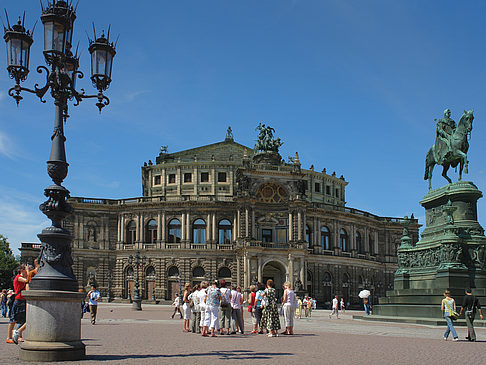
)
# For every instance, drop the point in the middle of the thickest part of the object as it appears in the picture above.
(137, 301)
(54, 288)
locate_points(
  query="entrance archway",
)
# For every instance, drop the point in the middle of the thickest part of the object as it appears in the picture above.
(278, 273)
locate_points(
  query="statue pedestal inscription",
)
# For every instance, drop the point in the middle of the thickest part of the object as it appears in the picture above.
(451, 254)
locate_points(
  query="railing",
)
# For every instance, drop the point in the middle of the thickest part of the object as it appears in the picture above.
(31, 246)
(225, 246)
(268, 244)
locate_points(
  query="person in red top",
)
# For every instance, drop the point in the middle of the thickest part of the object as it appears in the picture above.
(17, 314)
(251, 308)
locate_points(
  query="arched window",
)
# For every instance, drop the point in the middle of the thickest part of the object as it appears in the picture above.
(325, 238)
(130, 272)
(199, 231)
(343, 237)
(224, 229)
(345, 279)
(150, 272)
(173, 272)
(327, 277)
(359, 243)
(131, 232)
(175, 231)
(198, 272)
(151, 231)
(371, 242)
(224, 273)
(308, 235)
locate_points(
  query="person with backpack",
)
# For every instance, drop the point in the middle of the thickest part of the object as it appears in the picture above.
(224, 308)
(19, 307)
(469, 305)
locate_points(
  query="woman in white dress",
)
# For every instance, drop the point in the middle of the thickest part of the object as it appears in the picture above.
(186, 308)
(289, 304)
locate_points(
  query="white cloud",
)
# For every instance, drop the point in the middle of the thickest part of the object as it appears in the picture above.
(6, 146)
(20, 221)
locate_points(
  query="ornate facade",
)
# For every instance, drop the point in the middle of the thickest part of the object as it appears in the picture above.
(227, 211)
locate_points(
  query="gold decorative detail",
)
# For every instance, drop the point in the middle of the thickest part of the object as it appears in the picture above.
(271, 193)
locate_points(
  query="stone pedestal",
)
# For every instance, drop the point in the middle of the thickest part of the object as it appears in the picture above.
(451, 254)
(53, 330)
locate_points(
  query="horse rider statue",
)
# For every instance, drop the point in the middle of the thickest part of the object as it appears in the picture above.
(445, 128)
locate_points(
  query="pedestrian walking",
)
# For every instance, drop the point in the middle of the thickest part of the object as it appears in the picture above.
(18, 311)
(335, 309)
(93, 297)
(309, 307)
(236, 302)
(224, 308)
(367, 306)
(298, 311)
(3, 303)
(304, 306)
(343, 306)
(470, 304)
(186, 308)
(448, 307)
(270, 318)
(177, 305)
(195, 308)
(213, 299)
(289, 304)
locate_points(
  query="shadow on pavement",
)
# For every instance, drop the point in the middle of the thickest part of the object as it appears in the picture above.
(223, 355)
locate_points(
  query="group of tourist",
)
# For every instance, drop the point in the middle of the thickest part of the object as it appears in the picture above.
(305, 306)
(211, 309)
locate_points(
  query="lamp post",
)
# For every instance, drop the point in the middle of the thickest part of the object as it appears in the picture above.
(137, 301)
(110, 278)
(53, 294)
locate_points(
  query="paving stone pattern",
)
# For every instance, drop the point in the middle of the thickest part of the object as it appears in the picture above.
(122, 336)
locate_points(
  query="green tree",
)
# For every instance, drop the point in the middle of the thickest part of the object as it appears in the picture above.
(7, 263)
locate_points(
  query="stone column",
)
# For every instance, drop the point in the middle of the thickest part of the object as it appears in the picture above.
(246, 266)
(238, 223)
(188, 228)
(159, 230)
(122, 228)
(208, 228)
(118, 231)
(290, 227)
(238, 277)
(291, 270)
(233, 231)
(215, 232)
(247, 223)
(253, 226)
(183, 227)
(163, 229)
(260, 269)
(299, 226)
(302, 272)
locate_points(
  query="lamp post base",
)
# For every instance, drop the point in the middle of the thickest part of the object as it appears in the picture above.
(53, 330)
(137, 304)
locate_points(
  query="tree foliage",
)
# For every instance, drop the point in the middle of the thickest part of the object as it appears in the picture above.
(8, 263)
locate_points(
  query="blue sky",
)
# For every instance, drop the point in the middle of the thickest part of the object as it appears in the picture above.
(353, 86)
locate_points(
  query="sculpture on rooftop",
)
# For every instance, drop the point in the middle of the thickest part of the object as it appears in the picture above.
(451, 146)
(266, 142)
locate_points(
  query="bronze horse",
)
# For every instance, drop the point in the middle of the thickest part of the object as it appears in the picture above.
(458, 153)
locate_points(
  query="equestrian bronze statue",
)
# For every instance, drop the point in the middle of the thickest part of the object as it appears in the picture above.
(451, 146)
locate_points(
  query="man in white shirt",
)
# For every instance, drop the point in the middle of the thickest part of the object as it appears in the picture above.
(335, 307)
(93, 297)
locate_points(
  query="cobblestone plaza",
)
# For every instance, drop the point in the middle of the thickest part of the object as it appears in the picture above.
(123, 336)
